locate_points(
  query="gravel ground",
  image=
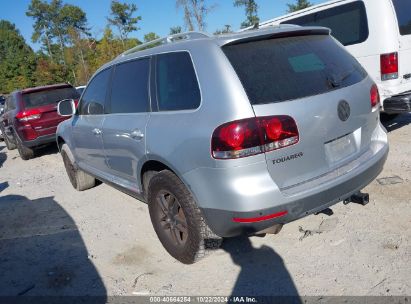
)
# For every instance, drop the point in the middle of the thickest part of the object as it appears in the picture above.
(56, 241)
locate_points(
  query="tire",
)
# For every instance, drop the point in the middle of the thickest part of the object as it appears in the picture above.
(177, 220)
(25, 152)
(9, 145)
(79, 179)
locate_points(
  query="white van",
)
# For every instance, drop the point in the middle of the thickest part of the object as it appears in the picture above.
(377, 33)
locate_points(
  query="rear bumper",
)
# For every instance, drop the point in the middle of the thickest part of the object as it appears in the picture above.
(249, 194)
(41, 140)
(221, 221)
(398, 103)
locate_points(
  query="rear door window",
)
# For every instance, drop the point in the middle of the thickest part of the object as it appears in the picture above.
(177, 86)
(276, 70)
(129, 88)
(51, 96)
(93, 100)
(347, 22)
(403, 10)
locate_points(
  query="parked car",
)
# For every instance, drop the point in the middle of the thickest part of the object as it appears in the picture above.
(377, 33)
(229, 135)
(30, 117)
(80, 89)
(2, 101)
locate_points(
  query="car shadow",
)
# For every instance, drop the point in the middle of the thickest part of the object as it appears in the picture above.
(42, 252)
(3, 157)
(262, 273)
(47, 150)
(397, 122)
(4, 186)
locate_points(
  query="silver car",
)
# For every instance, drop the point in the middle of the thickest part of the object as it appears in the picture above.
(228, 135)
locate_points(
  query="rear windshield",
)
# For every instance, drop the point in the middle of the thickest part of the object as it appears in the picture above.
(403, 9)
(42, 98)
(276, 70)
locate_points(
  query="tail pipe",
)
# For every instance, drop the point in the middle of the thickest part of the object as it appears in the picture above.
(358, 198)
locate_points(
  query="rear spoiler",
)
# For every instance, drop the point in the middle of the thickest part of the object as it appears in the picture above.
(283, 34)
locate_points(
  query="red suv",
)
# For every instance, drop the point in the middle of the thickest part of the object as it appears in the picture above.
(30, 117)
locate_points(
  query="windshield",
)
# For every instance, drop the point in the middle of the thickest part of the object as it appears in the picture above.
(276, 70)
(52, 96)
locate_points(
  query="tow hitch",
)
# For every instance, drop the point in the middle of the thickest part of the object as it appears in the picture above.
(358, 198)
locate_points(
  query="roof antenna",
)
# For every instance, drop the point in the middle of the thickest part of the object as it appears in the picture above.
(256, 26)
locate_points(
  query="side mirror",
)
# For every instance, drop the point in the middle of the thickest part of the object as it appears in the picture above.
(66, 107)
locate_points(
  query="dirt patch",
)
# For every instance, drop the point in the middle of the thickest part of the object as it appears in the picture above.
(133, 256)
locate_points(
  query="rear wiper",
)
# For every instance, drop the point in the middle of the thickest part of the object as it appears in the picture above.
(336, 82)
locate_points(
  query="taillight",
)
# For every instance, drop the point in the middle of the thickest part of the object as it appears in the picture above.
(28, 115)
(236, 139)
(253, 136)
(389, 66)
(76, 103)
(278, 132)
(375, 96)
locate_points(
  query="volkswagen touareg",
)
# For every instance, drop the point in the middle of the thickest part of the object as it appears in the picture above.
(227, 135)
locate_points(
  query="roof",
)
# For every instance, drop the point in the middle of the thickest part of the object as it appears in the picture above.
(300, 12)
(274, 31)
(47, 87)
(176, 41)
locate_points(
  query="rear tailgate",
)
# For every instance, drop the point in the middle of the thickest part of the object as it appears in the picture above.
(45, 102)
(326, 142)
(49, 120)
(312, 79)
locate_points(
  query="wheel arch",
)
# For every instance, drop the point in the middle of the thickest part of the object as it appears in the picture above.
(60, 142)
(156, 164)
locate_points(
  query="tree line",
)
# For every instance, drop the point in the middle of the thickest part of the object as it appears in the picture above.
(70, 53)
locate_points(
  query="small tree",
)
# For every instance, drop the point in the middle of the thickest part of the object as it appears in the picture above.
(195, 12)
(299, 5)
(52, 21)
(225, 30)
(39, 11)
(175, 30)
(106, 49)
(251, 12)
(122, 18)
(17, 59)
(150, 37)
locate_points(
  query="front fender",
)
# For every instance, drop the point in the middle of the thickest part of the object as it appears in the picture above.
(64, 132)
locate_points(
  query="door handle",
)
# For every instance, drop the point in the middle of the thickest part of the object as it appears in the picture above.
(96, 131)
(137, 135)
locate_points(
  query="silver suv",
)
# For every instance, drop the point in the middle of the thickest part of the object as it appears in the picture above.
(227, 135)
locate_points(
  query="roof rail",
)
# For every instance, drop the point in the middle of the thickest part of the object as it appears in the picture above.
(166, 40)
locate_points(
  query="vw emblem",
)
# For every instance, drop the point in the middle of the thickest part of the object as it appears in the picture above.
(344, 110)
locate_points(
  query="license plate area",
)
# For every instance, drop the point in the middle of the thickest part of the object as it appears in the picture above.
(340, 148)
